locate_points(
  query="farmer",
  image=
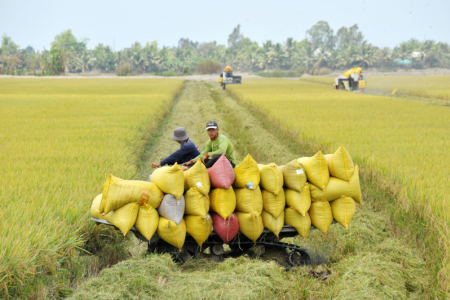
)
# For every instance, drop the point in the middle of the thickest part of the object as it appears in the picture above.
(217, 145)
(187, 151)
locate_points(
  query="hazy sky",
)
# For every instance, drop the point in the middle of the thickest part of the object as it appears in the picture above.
(383, 22)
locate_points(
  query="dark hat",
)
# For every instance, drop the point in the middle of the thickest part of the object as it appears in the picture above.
(211, 124)
(180, 134)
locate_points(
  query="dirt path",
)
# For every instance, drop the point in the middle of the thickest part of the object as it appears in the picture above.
(199, 103)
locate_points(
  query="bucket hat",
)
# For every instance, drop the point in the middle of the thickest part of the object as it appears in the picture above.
(180, 134)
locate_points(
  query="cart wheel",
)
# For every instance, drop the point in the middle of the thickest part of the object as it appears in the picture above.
(299, 258)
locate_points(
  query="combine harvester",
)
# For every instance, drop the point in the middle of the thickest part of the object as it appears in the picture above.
(227, 77)
(352, 81)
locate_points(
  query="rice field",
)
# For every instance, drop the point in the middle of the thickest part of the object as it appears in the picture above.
(59, 141)
(402, 140)
(437, 87)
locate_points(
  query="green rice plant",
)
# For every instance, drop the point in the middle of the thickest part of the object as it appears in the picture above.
(59, 140)
(399, 139)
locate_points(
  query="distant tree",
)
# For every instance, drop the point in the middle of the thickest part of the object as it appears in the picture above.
(321, 35)
(84, 61)
(183, 43)
(67, 40)
(105, 58)
(8, 46)
(349, 36)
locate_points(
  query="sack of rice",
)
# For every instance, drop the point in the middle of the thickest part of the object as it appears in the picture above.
(271, 178)
(147, 221)
(124, 217)
(340, 164)
(296, 220)
(170, 179)
(95, 207)
(273, 224)
(294, 175)
(274, 204)
(316, 168)
(198, 177)
(343, 210)
(301, 202)
(117, 192)
(221, 173)
(199, 227)
(223, 201)
(249, 201)
(247, 174)
(321, 215)
(227, 228)
(197, 204)
(336, 188)
(172, 209)
(172, 233)
(250, 225)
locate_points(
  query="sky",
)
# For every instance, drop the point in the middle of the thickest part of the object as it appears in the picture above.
(121, 23)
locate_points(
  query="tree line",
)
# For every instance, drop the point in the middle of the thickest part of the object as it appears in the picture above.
(319, 52)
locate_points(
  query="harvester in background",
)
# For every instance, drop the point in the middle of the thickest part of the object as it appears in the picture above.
(227, 77)
(352, 81)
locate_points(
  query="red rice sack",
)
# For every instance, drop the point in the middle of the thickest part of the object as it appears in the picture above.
(225, 229)
(222, 173)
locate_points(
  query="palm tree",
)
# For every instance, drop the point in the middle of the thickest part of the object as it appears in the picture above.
(84, 61)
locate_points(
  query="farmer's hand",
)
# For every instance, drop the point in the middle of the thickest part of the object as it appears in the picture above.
(205, 157)
(184, 168)
(188, 163)
(155, 165)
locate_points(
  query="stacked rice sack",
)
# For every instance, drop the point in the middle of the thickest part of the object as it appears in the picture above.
(306, 191)
(249, 203)
(156, 206)
(198, 220)
(333, 191)
(273, 197)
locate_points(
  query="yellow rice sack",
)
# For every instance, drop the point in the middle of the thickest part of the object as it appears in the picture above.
(124, 217)
(340, 164)
(343, 210)
(274, 204)
(170, 180)
(220, 80)
(301, 202)
(172, 233)
(321, 215)
(294, 176)
(271, 178)
(316, 168)
(249, 201)
(117, 192)
(223, 201)
(247, 174)
(199, 227)
(250, 225)
(147, 221)
(197, 204)
(296, 220)
(95, 207)
(273, 224)
(336, 188)
(198, 177)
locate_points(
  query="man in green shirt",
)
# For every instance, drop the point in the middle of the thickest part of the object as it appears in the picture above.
(217, 145)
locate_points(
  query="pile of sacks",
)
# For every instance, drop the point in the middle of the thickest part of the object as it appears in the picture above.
(307, 191)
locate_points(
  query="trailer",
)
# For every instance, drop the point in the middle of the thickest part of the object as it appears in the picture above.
(292, 255)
